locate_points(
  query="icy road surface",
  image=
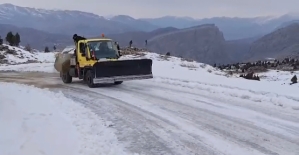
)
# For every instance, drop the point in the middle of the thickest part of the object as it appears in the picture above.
(162, 117)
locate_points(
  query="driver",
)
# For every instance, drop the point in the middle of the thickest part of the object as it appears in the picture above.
(103, 47)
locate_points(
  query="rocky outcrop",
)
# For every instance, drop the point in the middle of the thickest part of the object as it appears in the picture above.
(281, 43)
(203, 43)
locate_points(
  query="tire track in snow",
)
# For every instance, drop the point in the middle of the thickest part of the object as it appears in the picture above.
(146, 129)
(246, 127)
(159, 133)
(274, 111)
(181, 121)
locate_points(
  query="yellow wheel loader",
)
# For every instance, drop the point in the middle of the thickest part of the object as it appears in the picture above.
(96, 61)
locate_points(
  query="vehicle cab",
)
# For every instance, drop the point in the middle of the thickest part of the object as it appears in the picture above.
(90, 51)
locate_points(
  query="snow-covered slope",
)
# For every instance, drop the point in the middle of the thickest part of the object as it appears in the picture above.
(38, 121)
(282, 77)
(187, 108)
(16, 55)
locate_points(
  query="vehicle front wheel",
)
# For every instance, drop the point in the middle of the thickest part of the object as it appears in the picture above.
(89, 79)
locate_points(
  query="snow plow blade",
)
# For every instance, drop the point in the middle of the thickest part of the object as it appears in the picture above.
(122, 70)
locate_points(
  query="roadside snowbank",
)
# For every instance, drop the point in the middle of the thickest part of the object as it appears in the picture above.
(37, 121)
(16, 55)
(172, 69)
(282, 77)
(30, 67)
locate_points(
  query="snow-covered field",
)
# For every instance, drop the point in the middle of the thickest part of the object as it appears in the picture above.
(36, 121)
(187, 108)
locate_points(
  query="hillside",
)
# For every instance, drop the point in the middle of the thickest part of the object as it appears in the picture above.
(36, 38)
(134, 23)
(194, 40)
(239, 49)
(60, 21)
(89, 24)
(278, 44)
(232, 28)
(15, 55)
(139, 37)
(203, 43)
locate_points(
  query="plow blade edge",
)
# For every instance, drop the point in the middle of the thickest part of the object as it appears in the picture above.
(122, 70)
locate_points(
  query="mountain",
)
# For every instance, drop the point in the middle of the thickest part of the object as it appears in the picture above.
(139, 37)
(285, 24)
(89, 24)
(203, 43)
(134, 23)
(60, 21)
(232, 28)
(281, 43)
(172, 21)
(36, 38)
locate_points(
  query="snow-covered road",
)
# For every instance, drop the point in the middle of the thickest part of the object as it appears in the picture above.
(166, 117)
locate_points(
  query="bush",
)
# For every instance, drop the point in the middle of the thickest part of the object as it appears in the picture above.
(28, 48)
(47, 49)
(294, 79)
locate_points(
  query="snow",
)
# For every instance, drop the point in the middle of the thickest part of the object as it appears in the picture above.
(31, 67)
(38, 121)
(201, 76)
(22, 56)
(189, 73)
(272, 93)
(273, 87)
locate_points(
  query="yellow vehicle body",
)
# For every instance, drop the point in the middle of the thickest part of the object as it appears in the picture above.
(83, 62)
(96, 61)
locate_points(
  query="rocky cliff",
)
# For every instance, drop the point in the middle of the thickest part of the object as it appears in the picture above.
(283, 42)
(203, 43)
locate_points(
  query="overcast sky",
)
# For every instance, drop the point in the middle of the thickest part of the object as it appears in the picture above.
(158, 8)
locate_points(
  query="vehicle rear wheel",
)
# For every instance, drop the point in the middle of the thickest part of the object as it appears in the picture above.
(66, 77)
(89, 76)
(118, 82)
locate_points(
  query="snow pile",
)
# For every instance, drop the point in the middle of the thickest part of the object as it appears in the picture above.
(204, 77)
(169, 66)
(38, 121)
(16, 55)
(282, 77)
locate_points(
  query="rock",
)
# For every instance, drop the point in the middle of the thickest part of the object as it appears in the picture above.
(2, 57)
(32, 61)
(13, 52)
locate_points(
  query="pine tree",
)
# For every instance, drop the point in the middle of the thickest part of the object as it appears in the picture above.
(14, 40)
(10, 38)
(1, 41)
(17, 39)
(47, 49)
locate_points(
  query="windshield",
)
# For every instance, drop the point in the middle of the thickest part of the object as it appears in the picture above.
(103, 49)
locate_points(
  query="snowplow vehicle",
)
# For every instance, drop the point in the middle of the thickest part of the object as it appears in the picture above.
(96, 61)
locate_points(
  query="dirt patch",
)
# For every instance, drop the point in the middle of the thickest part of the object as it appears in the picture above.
(40, 80)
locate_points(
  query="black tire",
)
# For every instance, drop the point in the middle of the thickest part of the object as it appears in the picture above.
(89, 76)
(118, 82)
(66, 77)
